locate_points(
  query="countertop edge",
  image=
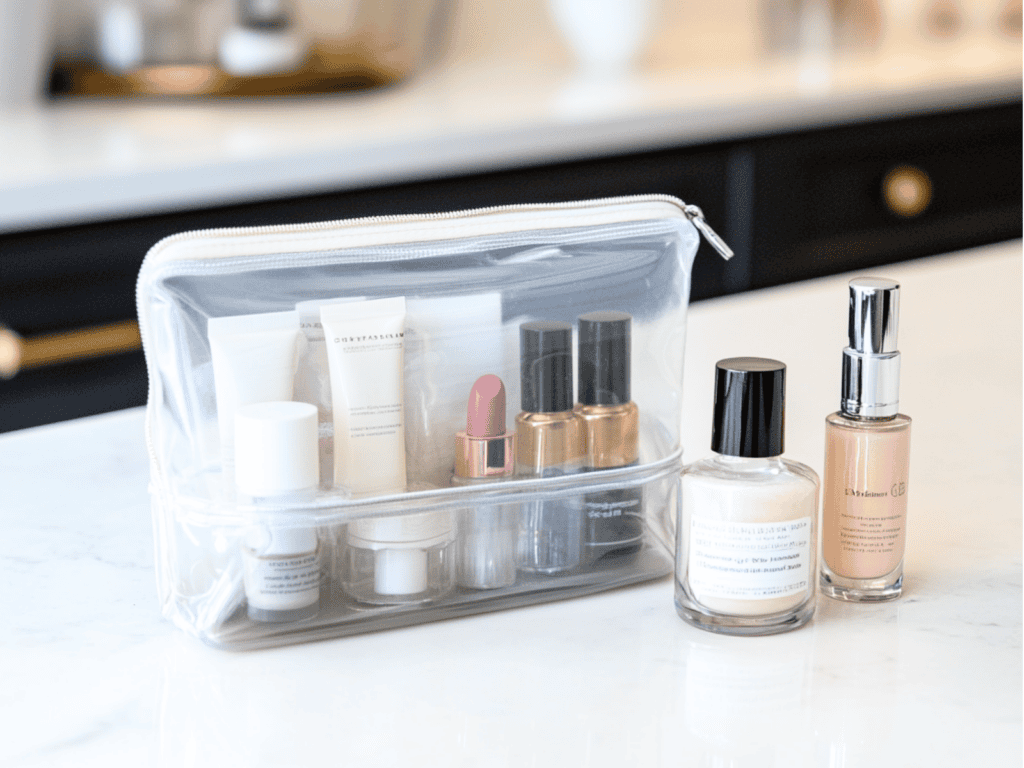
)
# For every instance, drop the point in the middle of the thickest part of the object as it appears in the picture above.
(129, 193)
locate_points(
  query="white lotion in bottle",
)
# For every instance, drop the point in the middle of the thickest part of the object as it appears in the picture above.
(745, 556)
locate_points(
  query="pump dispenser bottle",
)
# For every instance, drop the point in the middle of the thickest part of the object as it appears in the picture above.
(867, 456)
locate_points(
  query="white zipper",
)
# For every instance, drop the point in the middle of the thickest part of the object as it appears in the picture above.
(385, 230)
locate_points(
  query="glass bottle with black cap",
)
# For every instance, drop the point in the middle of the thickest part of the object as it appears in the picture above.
(746, 543)
(614, 522)
(550, 441)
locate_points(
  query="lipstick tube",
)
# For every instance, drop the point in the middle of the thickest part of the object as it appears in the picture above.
(485, 452)
(613, 527)
(549, 442)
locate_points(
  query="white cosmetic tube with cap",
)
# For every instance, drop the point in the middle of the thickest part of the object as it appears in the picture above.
(365, 352)
(254, 359)
(313, 379)
(277, 464)
(390, 560)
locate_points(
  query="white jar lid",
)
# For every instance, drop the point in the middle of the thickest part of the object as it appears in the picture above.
(276, 448)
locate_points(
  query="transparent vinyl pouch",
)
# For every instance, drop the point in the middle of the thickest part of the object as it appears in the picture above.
(244, 570)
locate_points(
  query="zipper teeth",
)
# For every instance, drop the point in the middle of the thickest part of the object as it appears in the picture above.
(381, 254)
(400, 218)
(156, 480)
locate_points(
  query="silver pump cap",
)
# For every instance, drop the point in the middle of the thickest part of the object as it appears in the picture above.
(871, 364)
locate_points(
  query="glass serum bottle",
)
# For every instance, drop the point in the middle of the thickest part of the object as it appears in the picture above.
(550, 441)
(746, 543)
(614, 522)
(867, 456)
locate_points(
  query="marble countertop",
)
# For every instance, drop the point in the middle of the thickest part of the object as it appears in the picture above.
(507, 95)
(93, 676)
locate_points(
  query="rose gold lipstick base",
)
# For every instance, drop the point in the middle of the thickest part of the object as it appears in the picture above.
(484, 456)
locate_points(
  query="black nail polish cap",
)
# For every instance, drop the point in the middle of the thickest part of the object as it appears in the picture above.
(604, 370)
(545, 361)
(750, 407)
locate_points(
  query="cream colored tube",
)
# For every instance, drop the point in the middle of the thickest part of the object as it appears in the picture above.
(365, 353)
(254, 360)
(313, 379)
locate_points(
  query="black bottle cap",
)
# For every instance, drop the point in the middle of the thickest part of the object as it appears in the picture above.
(545, 362)
(604, 358)
(750, 407)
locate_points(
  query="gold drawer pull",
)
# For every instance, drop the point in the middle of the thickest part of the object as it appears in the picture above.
(907, 191)
(18, 354)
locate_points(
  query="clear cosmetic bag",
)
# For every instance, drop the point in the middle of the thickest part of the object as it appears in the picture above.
(329, 452)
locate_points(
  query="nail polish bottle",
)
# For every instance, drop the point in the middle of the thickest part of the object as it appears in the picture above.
(613, 526)
(867, 456)
(549, 442)
(277, 464)
(485, 452)
(746, 542)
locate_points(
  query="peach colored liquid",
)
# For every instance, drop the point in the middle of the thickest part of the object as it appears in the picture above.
(865, 495)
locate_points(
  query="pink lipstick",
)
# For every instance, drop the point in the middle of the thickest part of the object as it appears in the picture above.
(486, 547)
(485, 449)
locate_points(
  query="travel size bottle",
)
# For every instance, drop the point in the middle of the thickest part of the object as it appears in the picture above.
(550, 441)
(867, 456)
(746, 542)
(614, 522)
(277, 465)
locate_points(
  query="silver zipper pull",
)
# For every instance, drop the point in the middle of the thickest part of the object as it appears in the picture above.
(696, 215)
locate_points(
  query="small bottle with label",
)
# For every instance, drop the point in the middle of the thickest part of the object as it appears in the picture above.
(277, 468)
(867, 456)
(613, 530)
(550, 441)
(746, 543)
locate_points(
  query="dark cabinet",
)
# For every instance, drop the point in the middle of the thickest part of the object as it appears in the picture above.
(828, 201)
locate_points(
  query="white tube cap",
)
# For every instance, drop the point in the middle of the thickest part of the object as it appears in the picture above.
(276, 448)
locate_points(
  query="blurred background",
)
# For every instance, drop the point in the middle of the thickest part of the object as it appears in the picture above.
(819, 136)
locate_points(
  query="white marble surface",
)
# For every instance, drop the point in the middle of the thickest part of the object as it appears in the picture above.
(91, 675)
(507, 95)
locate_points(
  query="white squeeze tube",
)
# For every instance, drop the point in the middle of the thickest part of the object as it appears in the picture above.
(254, 359)
(313, 380)
(365, 350)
